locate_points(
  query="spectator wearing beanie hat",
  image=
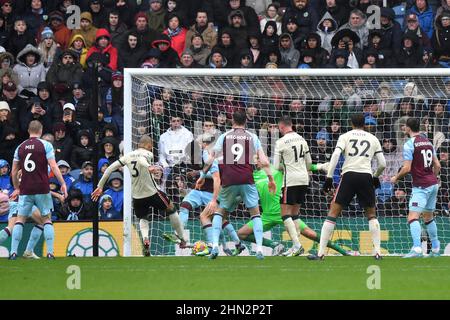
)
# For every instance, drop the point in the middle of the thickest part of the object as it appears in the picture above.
(48, 47)
(78, 45)
(62, 33)
(200, 51)
(156, 15)
(87, 30)
(169, 57)
(441, 39)
(104, 47)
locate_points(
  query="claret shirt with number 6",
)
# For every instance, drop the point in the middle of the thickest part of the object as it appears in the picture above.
(420, 151)
(359, 148)
(142, 182)
(237, 147)
(32, 155)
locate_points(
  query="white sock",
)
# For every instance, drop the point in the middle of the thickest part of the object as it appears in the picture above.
(176, 224)
(259, 249)
(374, 227)
(290, 227)
(144, 226)
(325, 236)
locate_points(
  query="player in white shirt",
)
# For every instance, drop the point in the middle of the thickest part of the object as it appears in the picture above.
(144, 188)
(292, 156)
(359, 148)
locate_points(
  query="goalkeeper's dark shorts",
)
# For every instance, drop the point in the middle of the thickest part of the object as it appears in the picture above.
(158, 201)
(359, 184)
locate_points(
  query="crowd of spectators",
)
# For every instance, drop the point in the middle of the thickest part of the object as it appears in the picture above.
(48, 70)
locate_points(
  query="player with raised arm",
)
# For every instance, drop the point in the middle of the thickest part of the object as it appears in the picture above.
(270, 205)
(292, 156)
(420, 160)
(33, 156)
(237, 146)
(359, 148)
(145, 191)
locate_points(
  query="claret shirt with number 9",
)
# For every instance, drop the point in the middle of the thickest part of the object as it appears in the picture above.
(32, 155)
(359, 147)
(237, 147)
(420, 151)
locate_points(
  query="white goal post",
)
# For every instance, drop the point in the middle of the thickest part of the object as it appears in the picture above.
(324, 90)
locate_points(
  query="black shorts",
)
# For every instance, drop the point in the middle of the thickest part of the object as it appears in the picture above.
(158, 201)
(293, 195)
(359, 184)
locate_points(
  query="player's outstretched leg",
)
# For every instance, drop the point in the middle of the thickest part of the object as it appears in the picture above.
(177, 225)
(144, 227)
(4, 234)
(32, 241)
(416, 230)
(433, 234)
(258, 233)
(49, 234)
(325, 236)
(185, 207)
(16, 238)
(239, 247)
(292, 231)
(217, 229)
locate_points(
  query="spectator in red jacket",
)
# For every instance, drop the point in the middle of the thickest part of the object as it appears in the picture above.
(61, 32)
(176, 33)
(103, 46)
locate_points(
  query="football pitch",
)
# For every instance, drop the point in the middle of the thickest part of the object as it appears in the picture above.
(179, 278)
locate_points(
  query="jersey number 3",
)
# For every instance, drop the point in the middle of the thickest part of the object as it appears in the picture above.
(135, 172)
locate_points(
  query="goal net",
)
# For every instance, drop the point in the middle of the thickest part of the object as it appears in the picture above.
(320, 103)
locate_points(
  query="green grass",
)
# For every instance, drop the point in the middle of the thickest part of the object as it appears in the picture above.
(226, 278)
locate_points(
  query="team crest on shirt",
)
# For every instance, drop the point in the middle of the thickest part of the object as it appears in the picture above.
(306, 14)
(415, 204)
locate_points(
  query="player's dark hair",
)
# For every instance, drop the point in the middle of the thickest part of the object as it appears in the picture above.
(358, 120)
(239, 117)
(35, 126)
(413, 124)
(286, 120)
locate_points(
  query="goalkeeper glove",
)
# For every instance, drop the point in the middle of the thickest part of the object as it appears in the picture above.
(328, 185)
(376, 182)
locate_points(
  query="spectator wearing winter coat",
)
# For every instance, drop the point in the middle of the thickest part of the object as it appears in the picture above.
(17, 105)
(346, 39)
(445, 6)
(109, 149)
(271, 14)
(312, 42)
(156, 15)
(425, 14)
(48, 48)
(238, 29)
(75, 208)
(6, 185)
(63, 143)
(290, 56)
(64, 73)
(227, 46)
(104, 47)
(143, 32)
(256, 49)
(338, 9)
(83, 149)
(410, 56)
(83, 105)
(339, 59)
(106, 209)
(248, 14)
(99, 13)
(65, 169)
(77, 44)
(199, 50)
(87, 30)
(357, 23)
(9, 140)
(61, 32)
(203, 28)
(4, 35)
(84, 182)
(53, 108)
(176, 33)
(30, 70)
(294, 31)
(305, 15)
(116, 27)
(270, 37)
(391, 31)
(217, 59)
(115, 190)
(132, 53)
(441, 39)
(20, 37)
(169, 57)
(36, 111)
(326, 29)
(412, 24)
(7, 63)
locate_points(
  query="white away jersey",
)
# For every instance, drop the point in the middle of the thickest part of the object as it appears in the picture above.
(143, 184)
(290, 152)
(358, 147)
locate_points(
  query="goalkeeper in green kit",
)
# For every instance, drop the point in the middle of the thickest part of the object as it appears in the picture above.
(271, 214)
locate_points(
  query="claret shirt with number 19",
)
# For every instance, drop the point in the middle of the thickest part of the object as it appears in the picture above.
(237, 147)
(32, 155)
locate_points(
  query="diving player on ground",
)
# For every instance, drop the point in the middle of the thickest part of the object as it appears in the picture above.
(359, 148)
(421, 161)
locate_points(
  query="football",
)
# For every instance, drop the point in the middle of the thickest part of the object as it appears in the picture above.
(198, 246)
